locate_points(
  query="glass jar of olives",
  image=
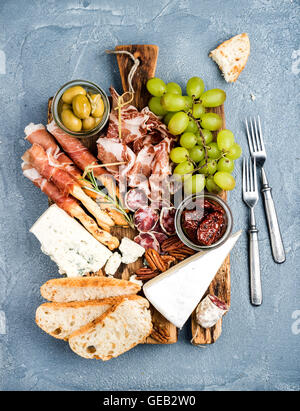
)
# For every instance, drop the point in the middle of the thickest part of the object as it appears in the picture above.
(80, 108)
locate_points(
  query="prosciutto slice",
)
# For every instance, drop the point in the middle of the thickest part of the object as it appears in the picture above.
(37, 134)
(145, 219)
(132, 121)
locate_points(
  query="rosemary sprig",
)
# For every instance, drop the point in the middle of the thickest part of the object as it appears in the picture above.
(114, 202)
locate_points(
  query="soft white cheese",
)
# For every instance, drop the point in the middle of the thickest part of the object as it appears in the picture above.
(75, 251)
(176, 292)
(130, 250)
(113, 264)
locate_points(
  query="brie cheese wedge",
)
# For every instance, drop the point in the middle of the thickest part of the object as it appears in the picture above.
(176, 292)
(65, 241)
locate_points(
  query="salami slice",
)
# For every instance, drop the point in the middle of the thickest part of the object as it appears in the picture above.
(167, 220)
(210, 310)
(147, 240)
(159, 236)
(145, 219)
(135, 199)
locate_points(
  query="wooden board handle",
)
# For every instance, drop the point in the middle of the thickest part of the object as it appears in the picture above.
(147, 54)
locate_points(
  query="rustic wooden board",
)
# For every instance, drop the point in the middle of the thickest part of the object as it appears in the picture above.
(147, 55)
(220, 286)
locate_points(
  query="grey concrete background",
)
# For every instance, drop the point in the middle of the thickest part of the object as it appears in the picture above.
(43, 45)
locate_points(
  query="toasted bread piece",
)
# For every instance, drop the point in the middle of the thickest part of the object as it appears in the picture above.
(61, 319)
(63, 290)
(231, 56)
(116, 331)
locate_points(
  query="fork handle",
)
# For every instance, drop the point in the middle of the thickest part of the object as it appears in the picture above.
(255, 280)
(274, 230)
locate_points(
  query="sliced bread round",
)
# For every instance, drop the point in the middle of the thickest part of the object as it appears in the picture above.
(119, 329)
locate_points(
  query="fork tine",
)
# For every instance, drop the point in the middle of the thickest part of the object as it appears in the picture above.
(251, 188)
(247, 175)
(244, 175)
(249, 138)
(254, 142)
(260, 134)
(254, 175)
(257, 135)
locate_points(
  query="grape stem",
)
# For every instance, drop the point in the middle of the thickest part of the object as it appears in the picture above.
(202, 137)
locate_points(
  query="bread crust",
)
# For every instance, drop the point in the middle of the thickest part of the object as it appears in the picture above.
(237, 68)
(100, 321)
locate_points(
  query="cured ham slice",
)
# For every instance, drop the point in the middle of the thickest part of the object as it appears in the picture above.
(132, 121)
(136, 198)
(142, 168)
(50, 169)
(161, 169)
(37, 134)
(210, 310)
(70, 205)
(167, 220)
(147, 240)
(145, 219)
(112, 151)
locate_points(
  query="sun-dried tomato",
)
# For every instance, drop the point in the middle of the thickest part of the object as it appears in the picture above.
(210, 228)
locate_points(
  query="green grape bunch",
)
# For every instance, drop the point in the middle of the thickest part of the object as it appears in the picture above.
(200, 161)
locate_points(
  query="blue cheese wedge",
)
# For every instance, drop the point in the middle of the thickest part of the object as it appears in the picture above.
(65, 241)
(113, 263)
(176, 292)
(130, 250)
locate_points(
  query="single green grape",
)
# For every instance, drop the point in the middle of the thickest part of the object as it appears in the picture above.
(156, 86)
(173, 102)
(225, 139)
(208, 169)
(211, 121)
(225, 164)
(195, 87)
(188, 102)
(213, 98)
(198, 110)
(156, 107)
(207, 135)
(211, 186)
(168, 117)
(179, 154)
(213, 150)
(234, 152)
(197, 153)
(178, 123)
(194, 184)
(192, 126)
(188, 140)
(224, 180)
(184, 168)
(174, 88)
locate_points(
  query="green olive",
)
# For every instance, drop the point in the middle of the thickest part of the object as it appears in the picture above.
(69, 120)
(97, 105)
(81, 106)
(97, 120)
(88, 123)
(66, 106)
(69, 94)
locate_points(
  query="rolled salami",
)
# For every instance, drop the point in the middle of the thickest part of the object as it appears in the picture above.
(210, 310)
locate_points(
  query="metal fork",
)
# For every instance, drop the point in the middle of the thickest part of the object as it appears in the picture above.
(250, 197)
(258, 152)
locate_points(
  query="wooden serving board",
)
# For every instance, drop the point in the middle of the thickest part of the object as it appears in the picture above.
(220, 286)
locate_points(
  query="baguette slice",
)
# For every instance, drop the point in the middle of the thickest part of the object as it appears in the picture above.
(61, 319)
(116, 331)
(63, 290)
(231, 56)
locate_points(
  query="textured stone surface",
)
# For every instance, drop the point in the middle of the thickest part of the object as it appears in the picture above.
(44, 44)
